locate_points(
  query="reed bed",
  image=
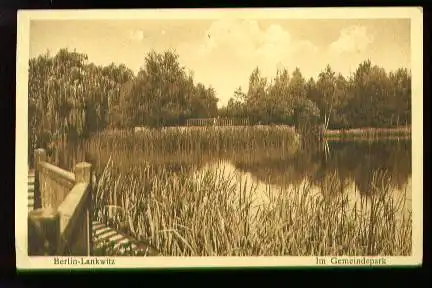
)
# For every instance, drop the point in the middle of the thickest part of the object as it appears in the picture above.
(203, 139)
(178, 149)
(191, 147)
(213, 214)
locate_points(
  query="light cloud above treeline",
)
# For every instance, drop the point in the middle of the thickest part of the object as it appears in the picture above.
(240, 45)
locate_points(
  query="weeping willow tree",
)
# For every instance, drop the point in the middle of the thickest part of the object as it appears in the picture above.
(70, 98)
(56, 98)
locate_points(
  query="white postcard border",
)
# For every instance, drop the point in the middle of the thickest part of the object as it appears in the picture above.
(25, 262)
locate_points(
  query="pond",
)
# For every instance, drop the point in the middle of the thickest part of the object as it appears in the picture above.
(353, 163)
(316, 190)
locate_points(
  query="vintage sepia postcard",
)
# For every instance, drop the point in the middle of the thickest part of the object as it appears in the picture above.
(189, 138)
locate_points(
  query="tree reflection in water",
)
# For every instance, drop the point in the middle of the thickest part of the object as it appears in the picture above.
(353, 162)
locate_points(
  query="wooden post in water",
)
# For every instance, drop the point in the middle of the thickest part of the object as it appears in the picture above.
(83, 173)
(43, 232)
(39, 156)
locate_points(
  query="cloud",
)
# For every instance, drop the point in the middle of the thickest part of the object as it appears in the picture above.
(246, 40)
(230, 48)
(136, 35)
(352, 39)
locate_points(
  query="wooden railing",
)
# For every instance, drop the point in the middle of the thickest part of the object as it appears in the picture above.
(217, 122)
(61, 223)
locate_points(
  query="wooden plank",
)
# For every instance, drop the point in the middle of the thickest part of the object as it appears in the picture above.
(31, 196)
(44, 231)
(53, 187)
(58, 172)
(107, 234)
(70, 206)
(31, 187)
(125, 241)
(117, 237)
(101, 231)
(97, 225)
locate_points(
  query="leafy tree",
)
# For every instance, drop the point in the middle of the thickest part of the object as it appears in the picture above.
(236, 107)
(306, 117)
(370, 91)
(327, 98)
(282, 101)
(256, 97)
(297, 86)
(56, 96)
(118, 76)
(164, 94)
(203, 102)
(400, 82)
(340, 101)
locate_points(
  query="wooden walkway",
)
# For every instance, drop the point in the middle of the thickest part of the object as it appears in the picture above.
(101, 231)
(31, 180)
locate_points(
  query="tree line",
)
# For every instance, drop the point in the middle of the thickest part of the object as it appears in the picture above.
(70, 98)
(370, 97)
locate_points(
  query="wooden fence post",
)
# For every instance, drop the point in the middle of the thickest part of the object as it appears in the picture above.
(43, 232)
(39, 156)
(83, 173)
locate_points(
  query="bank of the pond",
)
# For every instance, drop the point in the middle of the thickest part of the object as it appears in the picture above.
(330, 133)
(399, 132)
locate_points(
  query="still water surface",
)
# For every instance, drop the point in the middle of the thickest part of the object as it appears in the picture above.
(352, 163)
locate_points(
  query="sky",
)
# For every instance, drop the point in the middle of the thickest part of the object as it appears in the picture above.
(223, 52)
